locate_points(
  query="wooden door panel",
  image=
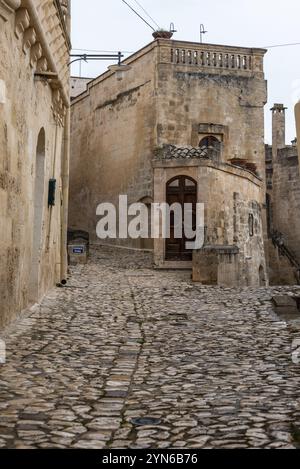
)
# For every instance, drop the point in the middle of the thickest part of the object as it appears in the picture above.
(180, 190)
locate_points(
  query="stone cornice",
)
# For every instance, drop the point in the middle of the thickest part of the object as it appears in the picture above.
(48, 55)
(7, 7)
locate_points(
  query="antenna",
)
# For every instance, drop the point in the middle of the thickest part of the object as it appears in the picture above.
(202, 31)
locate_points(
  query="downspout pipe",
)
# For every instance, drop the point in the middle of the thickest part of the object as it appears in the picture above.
(65, 197)
(65, 179)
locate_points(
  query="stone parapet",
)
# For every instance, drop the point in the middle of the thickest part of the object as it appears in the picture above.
(210, 56)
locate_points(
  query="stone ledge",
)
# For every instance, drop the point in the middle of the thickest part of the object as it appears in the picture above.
(219, 249)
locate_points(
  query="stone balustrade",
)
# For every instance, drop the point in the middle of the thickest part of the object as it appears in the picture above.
(209, 56)
(206, 58)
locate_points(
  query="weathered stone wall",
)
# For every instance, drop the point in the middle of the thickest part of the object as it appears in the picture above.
(230, 195)
(117, 124)
(31, 141)
(297, 115)
(113, 137)
(281, 271)
(78, 86)
(229, 96)
(283, 192)
(286, 197)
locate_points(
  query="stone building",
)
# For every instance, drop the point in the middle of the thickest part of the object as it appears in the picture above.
(78, 86)
(183, 122)
(34, 149)
(283, 202)
(297, 115)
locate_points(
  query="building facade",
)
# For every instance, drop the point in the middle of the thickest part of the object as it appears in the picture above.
(283, 203)
(34, 149)
(78, 86)
(297, 116)
(183, 122)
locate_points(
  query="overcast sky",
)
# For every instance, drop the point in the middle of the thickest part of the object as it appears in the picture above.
(110, 26)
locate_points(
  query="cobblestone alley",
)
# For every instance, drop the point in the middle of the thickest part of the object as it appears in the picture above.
(130, 357)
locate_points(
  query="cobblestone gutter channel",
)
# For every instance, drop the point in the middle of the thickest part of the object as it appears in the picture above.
(211, 366)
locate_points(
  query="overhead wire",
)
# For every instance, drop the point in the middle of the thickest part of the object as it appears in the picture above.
(282, 45)
(140, 16)
(145, 11)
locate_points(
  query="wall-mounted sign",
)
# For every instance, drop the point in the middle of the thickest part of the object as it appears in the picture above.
(78, 250)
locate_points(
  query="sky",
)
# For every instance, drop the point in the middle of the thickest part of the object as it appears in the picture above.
(111, 26)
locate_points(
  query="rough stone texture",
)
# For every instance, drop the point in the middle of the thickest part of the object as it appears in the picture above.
(175, 95)
(217, 265)
(31, 131)
(230, 195)
(78, 86)
(283, 196)
(297, 115)
(125, 341)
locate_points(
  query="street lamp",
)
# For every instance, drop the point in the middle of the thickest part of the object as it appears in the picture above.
(119, 69)
(87, 57)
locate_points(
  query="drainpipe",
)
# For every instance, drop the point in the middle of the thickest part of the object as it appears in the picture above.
(65, 177)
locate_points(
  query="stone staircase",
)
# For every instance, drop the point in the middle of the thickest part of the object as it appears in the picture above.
(279, 243)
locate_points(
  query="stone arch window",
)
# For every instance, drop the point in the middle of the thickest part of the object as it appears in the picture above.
(251, 225)
(212, 146)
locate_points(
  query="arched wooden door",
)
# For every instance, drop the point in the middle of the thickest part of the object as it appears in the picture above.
(182, 190)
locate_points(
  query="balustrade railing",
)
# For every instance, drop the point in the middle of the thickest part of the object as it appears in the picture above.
(208, 58)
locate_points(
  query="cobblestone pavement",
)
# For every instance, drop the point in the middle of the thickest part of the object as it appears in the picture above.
(211, 366)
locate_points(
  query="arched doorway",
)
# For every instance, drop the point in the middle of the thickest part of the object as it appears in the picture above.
(38, 200)
(180, 190)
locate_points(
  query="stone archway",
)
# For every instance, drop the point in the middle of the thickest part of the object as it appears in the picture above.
(38, 203)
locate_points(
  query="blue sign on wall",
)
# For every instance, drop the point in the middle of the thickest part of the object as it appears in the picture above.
(78, 250)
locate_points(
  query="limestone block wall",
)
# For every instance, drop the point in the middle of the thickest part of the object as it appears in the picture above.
(286, 198)
(297, 116)
(217, 85)
(230, 196)
(32, 151)
(112, 134)
(78, 86)
(174, 93)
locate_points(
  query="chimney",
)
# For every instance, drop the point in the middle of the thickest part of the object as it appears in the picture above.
(278, 128)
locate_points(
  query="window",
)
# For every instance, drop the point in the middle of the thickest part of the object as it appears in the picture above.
(212, 146)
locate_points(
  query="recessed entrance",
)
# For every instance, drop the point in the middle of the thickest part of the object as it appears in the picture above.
(181, 190)
(39, 186)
